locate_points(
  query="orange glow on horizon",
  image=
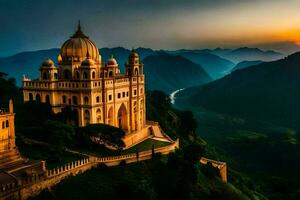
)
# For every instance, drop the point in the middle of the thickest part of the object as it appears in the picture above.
(290, 35)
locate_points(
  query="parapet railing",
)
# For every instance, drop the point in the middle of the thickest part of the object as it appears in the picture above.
(166, 149)
(153, 123)
(67, 167)
(13, 186)
(8, 188)
(221, 166)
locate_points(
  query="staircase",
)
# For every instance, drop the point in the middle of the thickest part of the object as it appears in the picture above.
(10, 159)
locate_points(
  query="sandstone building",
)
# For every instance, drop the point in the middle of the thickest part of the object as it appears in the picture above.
(12, 165)
(95, 90)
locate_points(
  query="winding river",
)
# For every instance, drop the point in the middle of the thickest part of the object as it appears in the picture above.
(173, 95)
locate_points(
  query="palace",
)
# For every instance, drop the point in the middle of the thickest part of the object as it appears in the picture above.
(97, 92)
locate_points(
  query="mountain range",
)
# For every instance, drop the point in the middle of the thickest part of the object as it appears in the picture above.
(27, 63)
(246, 53)
(214, 65)
(171, 72)
(268, 91)
(211, 65)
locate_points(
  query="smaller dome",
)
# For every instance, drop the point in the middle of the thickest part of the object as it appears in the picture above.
(48, 63)
(133, 54)
(88, 62)
(111, 61)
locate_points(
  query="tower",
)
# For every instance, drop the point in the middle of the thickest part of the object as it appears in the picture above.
(133, 66)
(134, 71)
(48, 71)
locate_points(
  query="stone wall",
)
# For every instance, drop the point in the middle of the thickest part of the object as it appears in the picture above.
(217, 164)
(32, 186)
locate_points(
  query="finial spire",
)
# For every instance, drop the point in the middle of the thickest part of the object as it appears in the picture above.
(79, 26)
(11, 106)
(79, 33)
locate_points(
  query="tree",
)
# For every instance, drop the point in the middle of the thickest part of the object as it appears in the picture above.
(58, 133)
(103, 134)
(188, 124)
(193, 153)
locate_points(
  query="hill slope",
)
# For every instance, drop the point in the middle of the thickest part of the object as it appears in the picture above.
(168, 73)
(246, 63)
(26, 63)
(214, 65)
(268, 91)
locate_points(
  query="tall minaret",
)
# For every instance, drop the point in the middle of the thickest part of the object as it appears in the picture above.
(11, 106)
(134, 71)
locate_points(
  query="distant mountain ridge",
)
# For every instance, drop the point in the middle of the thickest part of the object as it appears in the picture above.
(267, 91)
(28, 63)
(214, 65)
(250, 54)
(172, 72)
(241, 54)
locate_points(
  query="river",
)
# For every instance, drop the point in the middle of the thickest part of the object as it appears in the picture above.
(173, 95)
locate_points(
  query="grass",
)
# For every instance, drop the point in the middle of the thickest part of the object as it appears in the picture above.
(143, 146)
(146, 145)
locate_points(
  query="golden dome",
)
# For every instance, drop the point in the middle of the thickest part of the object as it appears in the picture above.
(78, 46)
(112, 61)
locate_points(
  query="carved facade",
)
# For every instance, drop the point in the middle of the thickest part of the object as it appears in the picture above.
(95, 91)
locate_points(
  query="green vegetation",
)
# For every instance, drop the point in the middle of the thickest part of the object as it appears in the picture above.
(252, 117)
(8, 89)
(266, 92)
(100, 150)
(254, 150)
(171, 178)
(52, 156)
(177, 176)
(106, 134)
(146, 145)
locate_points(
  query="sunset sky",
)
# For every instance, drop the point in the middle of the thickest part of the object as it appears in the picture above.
(165, 24)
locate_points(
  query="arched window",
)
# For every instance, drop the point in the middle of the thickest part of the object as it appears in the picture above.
(110, 116)
(55, 76)
(110, 74)
(64, 99)
(75, 100)
(67, 74)
(30, 97)
(98, 115)
(85, 76)
(7, 123)
(45, 76)
(3, 125)
(86, 100)
(38, 98)
(97, 99)
(86, 117)
(77, 75)
(47, 99)
(122, 117)
(93, 75)
(136, 71)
